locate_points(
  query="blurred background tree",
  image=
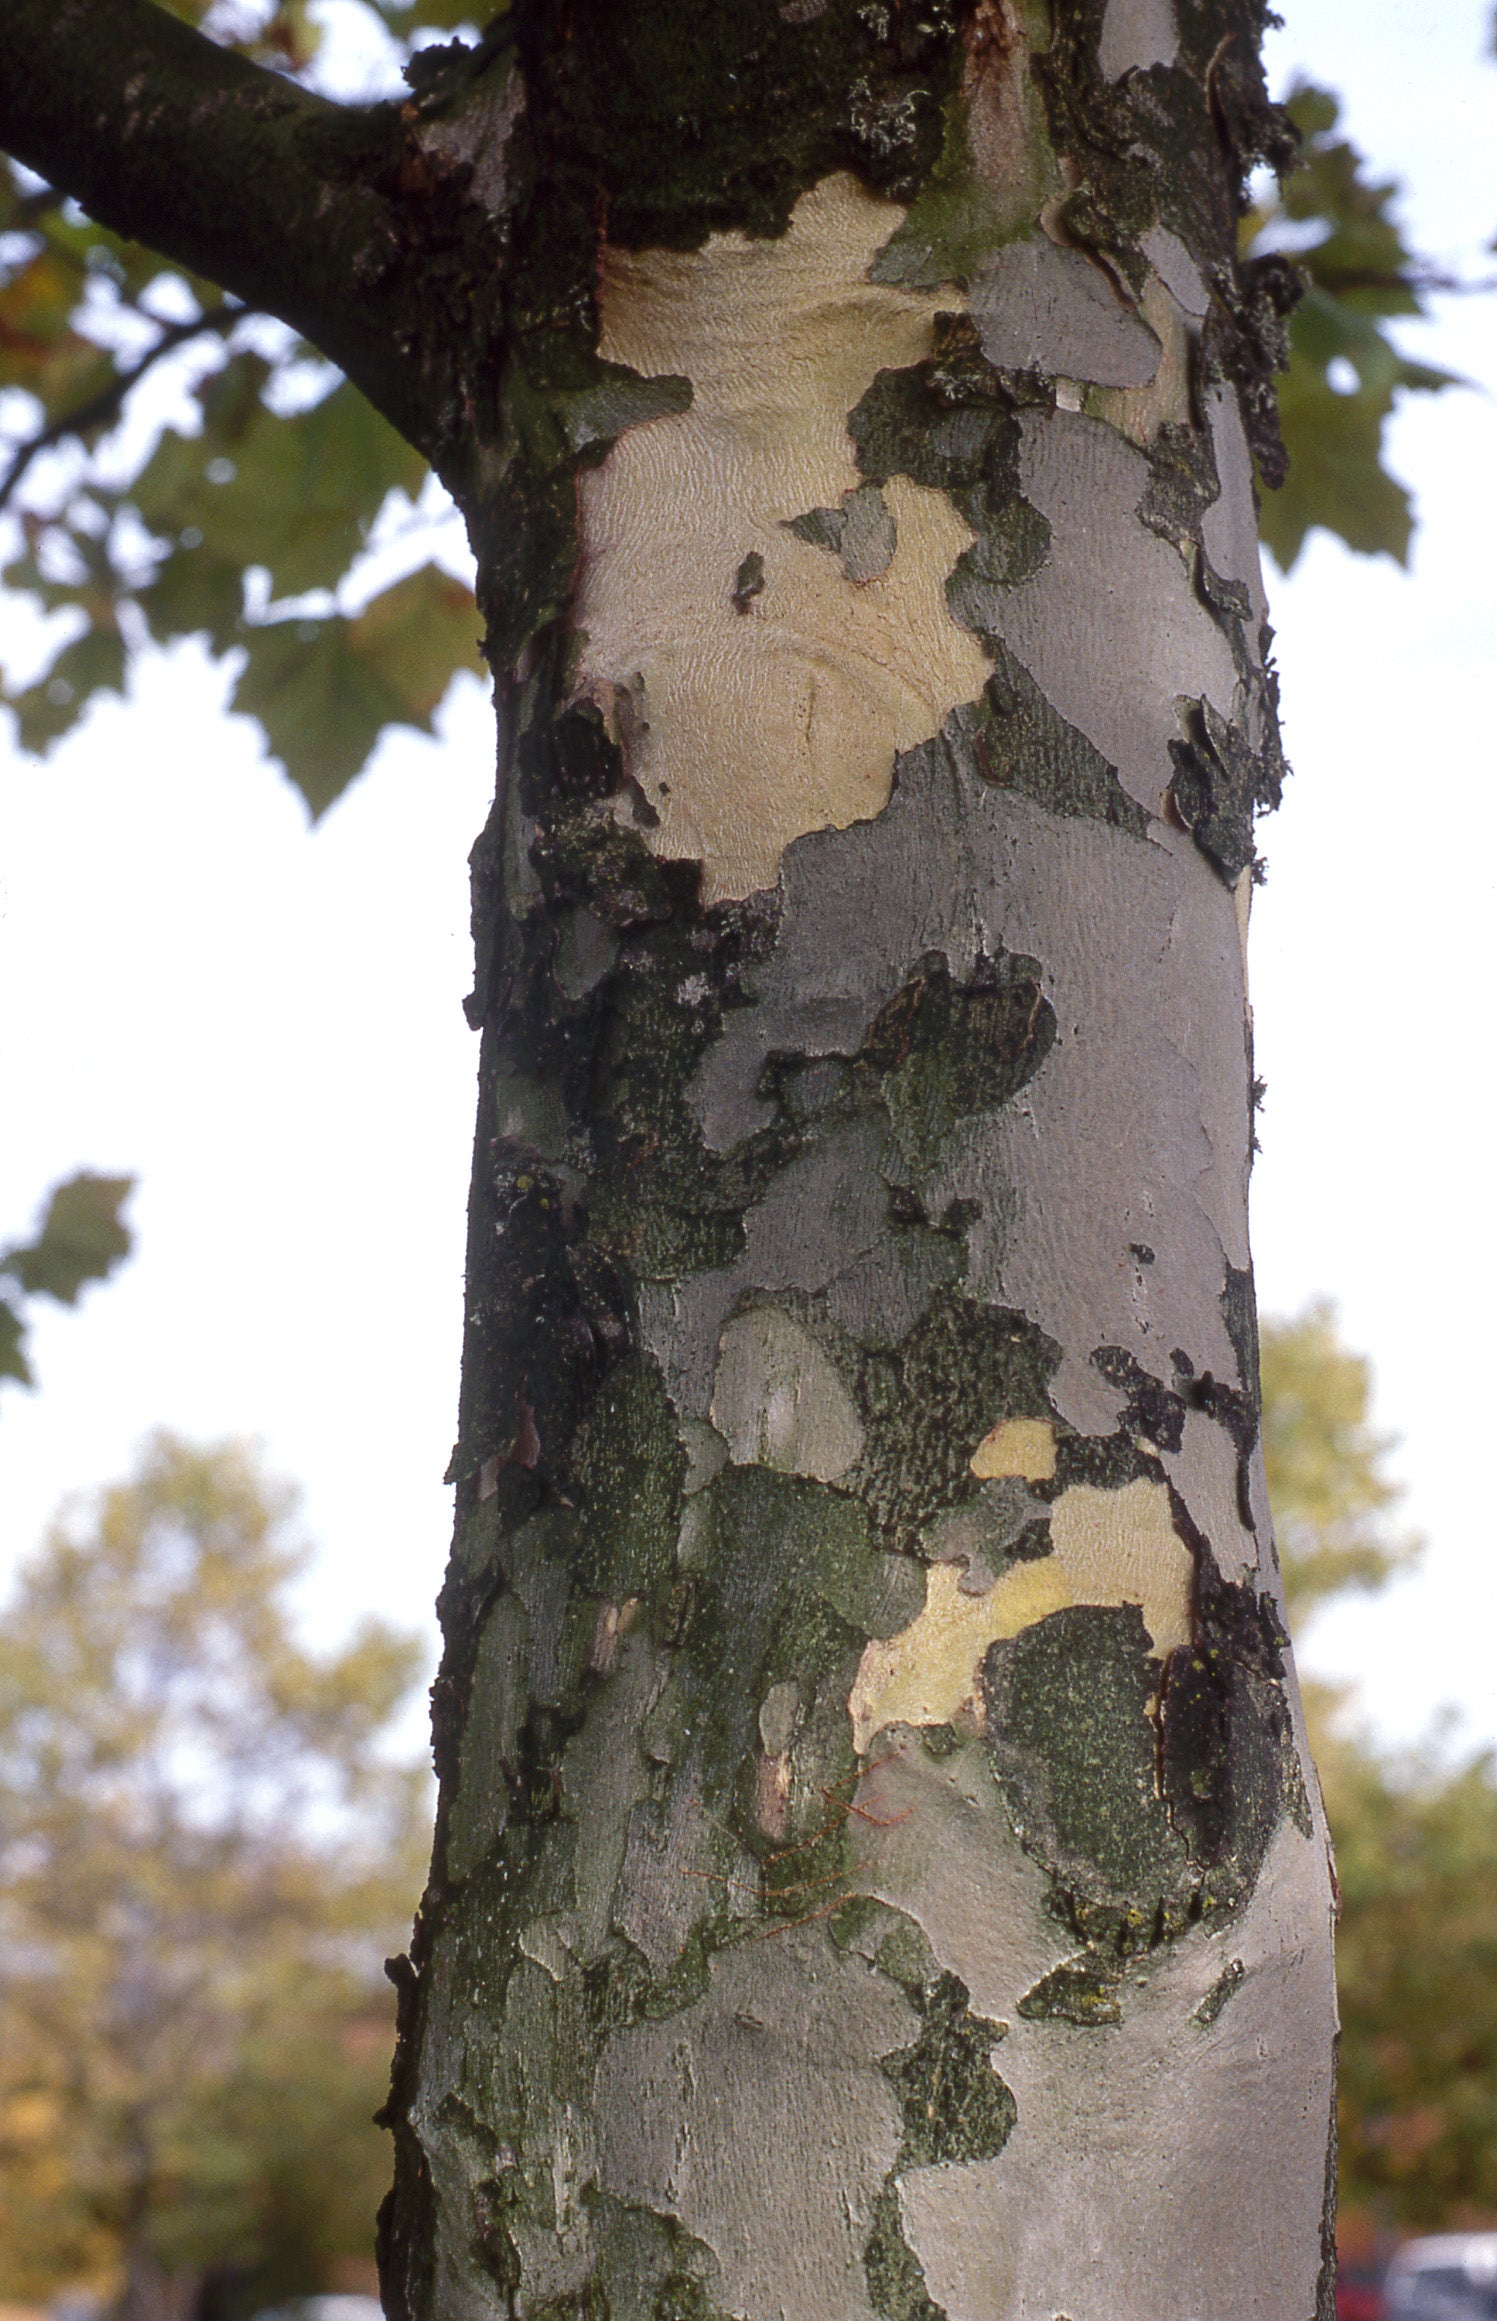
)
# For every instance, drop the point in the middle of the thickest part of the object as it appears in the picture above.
(1415, 1830)
(208, 1845)
(1331, 1497)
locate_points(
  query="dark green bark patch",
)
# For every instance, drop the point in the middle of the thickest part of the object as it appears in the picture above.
(1074, 1748)
(1153, 1409)
(1014, 738)
(947, 1049)
(690, 117)
(1227, 1739)
(951, 424)
(1081, 1990)
(1239, 1310)
(861, 532)
(1221, 782)
(748, 581)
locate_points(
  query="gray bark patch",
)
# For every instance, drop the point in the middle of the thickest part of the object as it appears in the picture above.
(1042, 307)
(709, 2117)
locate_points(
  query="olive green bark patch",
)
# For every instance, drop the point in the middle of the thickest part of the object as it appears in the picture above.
(1080, 1990)
(1016, 740)
(1071, 1740)
(629, 1467)
(896, 2277)
(647, 2267)
(1221, 1990)
(786, 1583)
(929, 1404)
(954, 2105)
(964, 212)
(948, 1049)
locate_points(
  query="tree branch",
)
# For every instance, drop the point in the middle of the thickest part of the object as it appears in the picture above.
(294, 204)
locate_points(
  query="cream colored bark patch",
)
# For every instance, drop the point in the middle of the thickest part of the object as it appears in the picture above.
(1016, 1446)
(748, 727)
(1109, 1547)
(926, 1673)
(1120, 1547)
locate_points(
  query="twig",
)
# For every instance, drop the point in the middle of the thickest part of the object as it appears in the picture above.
(106, 403)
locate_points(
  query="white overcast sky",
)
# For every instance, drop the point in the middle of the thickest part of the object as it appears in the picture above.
(264, 1023)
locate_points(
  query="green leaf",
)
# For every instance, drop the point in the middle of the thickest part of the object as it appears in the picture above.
(92, 663)
(13, 1362)
(1336, 477)
(195, 593)
(418, 634)
(40, 351)
(322, 707)
(1357, 272)
(324, 690)
(296, 494)
(81, 1239)
(407, 16)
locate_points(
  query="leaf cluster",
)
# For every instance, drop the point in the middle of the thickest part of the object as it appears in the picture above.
(1345, 371)
(215, 531)
(80, 1239)
(206, 1849)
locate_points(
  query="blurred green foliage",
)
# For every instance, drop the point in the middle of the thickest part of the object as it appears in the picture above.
(207, 1848)
(81, 1238)
(244, 530)
(1415, 1830)
(1416, 1854)
(1326, 1482)
(1345, 372)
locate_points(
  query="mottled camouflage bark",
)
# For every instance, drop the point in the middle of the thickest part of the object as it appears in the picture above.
(878, 1870)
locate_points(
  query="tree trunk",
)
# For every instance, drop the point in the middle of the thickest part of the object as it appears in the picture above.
(878, 1868)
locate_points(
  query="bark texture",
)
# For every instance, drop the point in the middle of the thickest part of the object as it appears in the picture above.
(879, 1873)
(878, 1870)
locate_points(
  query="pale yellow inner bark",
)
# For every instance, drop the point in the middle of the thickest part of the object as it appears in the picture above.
(1108, 1547)
(747, 728)
(1016, 1446)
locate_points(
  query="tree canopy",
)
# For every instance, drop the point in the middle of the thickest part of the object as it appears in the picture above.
(207, 1847)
